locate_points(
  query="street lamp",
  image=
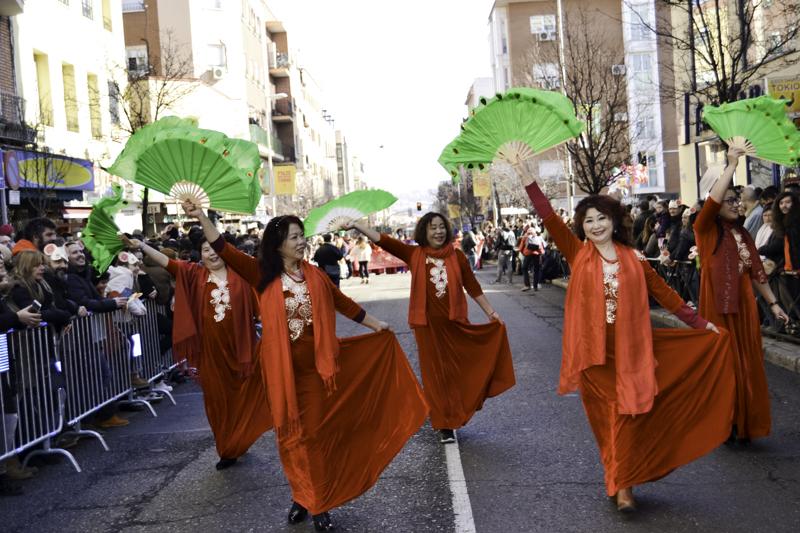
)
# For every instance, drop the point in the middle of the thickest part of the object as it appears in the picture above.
(272, 98)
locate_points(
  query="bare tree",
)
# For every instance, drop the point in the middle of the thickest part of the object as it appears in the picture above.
(153, 89)
(724, 46)
(595, 83)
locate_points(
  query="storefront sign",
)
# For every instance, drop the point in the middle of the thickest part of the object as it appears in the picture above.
(481, 185)
(39, 170)
(788, 90)
(285, 179)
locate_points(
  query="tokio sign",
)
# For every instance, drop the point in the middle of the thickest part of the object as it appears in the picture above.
(481, 184)
(788, 90)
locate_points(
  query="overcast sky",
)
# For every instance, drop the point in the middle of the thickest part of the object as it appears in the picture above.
(394, 74)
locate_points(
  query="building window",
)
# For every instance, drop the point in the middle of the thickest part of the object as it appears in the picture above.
(113, 102)
(646, 127)
(543, 27)
(94, 106)
(132, 6)
(43, 84)
(216, 55)
(88, 9)
(215, 4)
(642, 68)
(641, 23)
(137, 60)
(546, 75)
(70, 97)
(107, 14)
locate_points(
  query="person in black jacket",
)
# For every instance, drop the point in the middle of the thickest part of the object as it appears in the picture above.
(56, 277)
(81, 288)
(29, 285)
(327, 257)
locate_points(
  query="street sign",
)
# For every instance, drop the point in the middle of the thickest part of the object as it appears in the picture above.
(153, 209)
(13, 197)
(789, 90)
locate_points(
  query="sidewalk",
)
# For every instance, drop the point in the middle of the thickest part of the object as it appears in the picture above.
(778, 353)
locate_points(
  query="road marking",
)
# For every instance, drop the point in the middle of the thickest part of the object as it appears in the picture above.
(462, 509)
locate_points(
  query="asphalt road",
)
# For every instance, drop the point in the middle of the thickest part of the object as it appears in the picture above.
(529, 460)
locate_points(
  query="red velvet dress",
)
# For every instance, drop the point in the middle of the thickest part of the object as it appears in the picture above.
(350, 436)
(693, 409)
(462, 364)
(235, 405)
(752, 414)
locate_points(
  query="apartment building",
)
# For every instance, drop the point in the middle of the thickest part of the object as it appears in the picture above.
(215, 55)
(520, 27)
(304, 127)
(65, 85)
(772, 59)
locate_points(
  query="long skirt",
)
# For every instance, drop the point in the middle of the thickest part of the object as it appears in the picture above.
(236, 406)
(348, 438)
(691, 415)
(462, 365)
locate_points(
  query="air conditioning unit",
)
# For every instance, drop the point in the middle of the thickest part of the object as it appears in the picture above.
(217, 73)
(618, 70)
(546, 36)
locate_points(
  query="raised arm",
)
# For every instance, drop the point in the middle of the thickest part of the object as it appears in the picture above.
(210, 231)
(160, 259)
(567, 242)
(371, 234)
(721, 185)
(241, 263)
(395, 247)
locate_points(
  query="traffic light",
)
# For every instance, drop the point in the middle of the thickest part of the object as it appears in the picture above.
(419, 206)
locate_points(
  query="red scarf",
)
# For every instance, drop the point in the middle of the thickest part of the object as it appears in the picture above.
(584, 340)
(725, 268)
(190, 302)
(419, 278)
(276, 355)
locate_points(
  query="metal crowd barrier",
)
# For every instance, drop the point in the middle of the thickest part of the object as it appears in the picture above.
(53, 380)
(682, 276)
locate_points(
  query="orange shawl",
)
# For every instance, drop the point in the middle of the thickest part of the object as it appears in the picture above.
(277, 352)
(419, 277)
(584, 342)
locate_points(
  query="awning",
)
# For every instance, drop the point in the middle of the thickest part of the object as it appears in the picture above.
(77, 212)
(59, 195)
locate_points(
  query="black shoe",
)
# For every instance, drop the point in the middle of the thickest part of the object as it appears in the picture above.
(323, 522)
(297, 514)
(446, 436)
(225, 463)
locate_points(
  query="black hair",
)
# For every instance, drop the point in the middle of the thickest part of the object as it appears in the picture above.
(269, 258)
(421, 231)
(611, 208)
(327, 237)
(35, 227)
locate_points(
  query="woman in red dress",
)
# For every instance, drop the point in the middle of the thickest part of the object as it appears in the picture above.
(342, 408)
(211, 303)
(655, 399)
(730, 267)
(462, 364)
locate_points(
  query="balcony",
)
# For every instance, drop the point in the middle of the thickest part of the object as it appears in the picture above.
(9, 8)
(13, 129)
(279, 65)
(260, 136)
(283, 111)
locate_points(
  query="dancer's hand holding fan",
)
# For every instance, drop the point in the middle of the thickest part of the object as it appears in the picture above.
(101, 235)
(512, 128)
(175, 157)
(342, 212)
(758, 126)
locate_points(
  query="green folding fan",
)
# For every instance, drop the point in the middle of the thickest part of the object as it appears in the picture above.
(177, 158)
(101, 235)
(338, 213)
(759, 126)
(512, 127)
